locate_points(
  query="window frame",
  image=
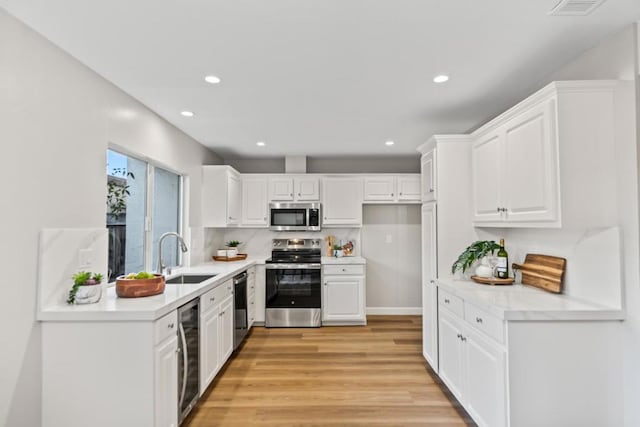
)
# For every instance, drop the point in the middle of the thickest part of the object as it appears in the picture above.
(152, 164)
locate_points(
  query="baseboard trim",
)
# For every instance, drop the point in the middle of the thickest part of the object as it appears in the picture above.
(394, 311)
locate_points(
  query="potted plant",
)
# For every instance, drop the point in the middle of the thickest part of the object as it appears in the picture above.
(337, 251)
(232, 248)
(86, 288)
(473, 253)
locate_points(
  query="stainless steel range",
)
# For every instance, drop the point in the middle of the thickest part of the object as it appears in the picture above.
(293, 284)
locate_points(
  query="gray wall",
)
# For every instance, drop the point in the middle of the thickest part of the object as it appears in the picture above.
(391, 245)
(360, 164)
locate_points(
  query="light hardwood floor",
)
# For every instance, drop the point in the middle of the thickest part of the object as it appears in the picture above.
(330, 376)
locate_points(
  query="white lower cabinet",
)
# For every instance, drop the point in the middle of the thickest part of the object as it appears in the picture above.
(166, 384)
(251, 297)
(474, 369)
(343, 296)
(216, 331)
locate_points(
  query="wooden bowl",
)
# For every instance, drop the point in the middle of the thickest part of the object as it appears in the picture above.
(134, 288)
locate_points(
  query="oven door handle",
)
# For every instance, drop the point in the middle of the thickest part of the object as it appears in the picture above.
(293, 266)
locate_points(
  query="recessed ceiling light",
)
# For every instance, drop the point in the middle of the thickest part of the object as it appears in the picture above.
(389, 143)
(187, 113)
(214, 80)
(441, 78)
(260, 144)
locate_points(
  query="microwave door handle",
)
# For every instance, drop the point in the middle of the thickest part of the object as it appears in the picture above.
(185, 364)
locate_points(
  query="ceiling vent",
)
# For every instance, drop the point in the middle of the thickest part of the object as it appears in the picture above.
(575, 7)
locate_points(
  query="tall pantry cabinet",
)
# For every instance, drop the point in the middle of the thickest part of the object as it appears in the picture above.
(444, 173)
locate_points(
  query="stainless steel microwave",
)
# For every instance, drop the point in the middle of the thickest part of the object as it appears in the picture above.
(295, 216)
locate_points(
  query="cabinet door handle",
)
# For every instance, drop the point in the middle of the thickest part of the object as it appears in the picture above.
(498, 209)
(478, 319)
(391, 194)
(431, 190)
(446, 301)
(401, 194)
(325, 283)
(459, 336)
(432, 281)
(344, 269)
(463, 338)
(212, 299)
(299, 194)
(170, 325)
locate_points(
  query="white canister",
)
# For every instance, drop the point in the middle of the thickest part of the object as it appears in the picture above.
(221, 252)
(232, 252)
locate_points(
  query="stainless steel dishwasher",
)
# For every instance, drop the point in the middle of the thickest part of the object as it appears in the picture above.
(241, 314)
(188, 357)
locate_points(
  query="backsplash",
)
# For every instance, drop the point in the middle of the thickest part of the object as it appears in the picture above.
(257, 241)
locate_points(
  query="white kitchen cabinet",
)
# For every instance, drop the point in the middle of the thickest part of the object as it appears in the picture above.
(294, 188)
(474, 369)
(515, 169)
(429, 290)
(409, 188)
(221, 196)
(226, 329)
(342, 201)
(166, 388)
(216, 331)
(343, 298)
(428, 175)
(255, 205)
(88, 361)
(391, 188)
(251, 296)
(260, 289)
(379, 188)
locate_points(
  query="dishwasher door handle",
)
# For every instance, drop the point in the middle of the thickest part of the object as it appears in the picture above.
(185, 365)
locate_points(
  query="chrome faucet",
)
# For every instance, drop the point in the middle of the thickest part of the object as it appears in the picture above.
(183, 248)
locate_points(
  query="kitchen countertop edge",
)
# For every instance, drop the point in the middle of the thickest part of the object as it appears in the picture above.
(111, 308)
(526, 303)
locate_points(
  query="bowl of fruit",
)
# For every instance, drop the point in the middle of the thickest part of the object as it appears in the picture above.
(141, 284)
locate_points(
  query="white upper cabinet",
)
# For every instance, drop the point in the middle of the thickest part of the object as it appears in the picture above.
(221, 196)
(379, 188)
(281, 189)
(428, 174)
(254, 202)
(294, 188)
(409, 188)
(515, 174)
(307, 188)
(342, 201)
(392, 188)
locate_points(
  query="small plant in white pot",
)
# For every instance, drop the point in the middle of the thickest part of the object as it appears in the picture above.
(473, 255)
(232, 248)
(86, 288)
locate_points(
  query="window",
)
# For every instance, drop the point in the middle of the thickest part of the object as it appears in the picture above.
(143, 202)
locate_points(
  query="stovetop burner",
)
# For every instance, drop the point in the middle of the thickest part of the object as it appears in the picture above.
(295, 251)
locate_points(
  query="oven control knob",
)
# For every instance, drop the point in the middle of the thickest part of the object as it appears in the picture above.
(293, 302)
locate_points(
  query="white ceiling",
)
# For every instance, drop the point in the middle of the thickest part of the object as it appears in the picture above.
(322, 77)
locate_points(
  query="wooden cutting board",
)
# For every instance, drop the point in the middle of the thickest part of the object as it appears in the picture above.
(542, 271)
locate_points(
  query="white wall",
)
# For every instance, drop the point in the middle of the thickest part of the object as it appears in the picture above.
(391, 245)
(615, 203)
(58, 118)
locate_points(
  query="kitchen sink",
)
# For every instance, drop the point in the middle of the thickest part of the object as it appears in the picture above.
(184, 279)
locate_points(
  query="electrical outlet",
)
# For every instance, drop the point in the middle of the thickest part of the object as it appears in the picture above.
(84, 258)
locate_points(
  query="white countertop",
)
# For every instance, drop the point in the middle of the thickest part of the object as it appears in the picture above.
(112, 308)
(521, 302)
(343, 260)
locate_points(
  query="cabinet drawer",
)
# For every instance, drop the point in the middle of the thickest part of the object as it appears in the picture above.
(215, 296)
(165, 327)
(484, 322)
(451, 302)
(344, 269)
